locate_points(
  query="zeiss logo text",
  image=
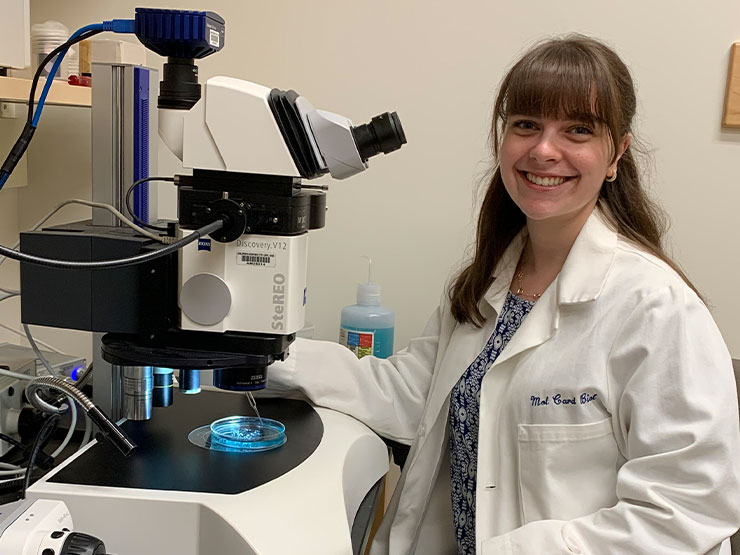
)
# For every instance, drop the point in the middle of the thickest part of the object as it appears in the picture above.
(204, 245)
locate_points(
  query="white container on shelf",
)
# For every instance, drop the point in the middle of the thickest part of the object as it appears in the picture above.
(45, 37)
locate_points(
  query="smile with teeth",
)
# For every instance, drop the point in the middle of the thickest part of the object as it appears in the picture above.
(545, 181)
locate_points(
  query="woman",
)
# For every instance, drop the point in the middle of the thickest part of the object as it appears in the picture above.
(571, 394)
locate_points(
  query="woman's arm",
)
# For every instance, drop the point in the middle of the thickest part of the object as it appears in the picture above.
(386, 394)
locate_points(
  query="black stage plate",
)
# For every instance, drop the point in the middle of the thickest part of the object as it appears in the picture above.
(166, 460)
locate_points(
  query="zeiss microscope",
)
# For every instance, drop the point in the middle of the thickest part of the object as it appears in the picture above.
(226, 292)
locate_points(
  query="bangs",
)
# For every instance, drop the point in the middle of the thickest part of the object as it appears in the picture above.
(561, 84)
(572, 78)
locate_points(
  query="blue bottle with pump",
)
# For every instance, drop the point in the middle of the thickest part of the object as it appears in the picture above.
(367, 328)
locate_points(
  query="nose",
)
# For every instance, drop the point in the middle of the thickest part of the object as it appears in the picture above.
(545, 148)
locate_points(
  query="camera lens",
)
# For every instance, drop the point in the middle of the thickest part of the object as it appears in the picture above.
(383, 134)
(179, 88)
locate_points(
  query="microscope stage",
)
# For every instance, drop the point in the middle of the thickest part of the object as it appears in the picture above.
(314, 495)
(166, 460)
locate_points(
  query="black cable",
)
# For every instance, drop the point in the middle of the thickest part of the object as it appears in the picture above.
(25, 449)
(129, 193)
(41, 439)
(117, 263)
(12, 441)
(49, 57)
(21, 144)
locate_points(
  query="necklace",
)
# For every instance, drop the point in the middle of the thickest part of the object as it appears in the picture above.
(520, 292)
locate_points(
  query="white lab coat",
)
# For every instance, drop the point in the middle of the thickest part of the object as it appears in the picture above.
(608, 424)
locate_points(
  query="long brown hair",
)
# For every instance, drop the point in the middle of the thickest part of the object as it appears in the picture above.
(573, 77)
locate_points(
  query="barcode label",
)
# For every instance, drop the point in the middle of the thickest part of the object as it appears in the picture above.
(215, 38)
(256, 259)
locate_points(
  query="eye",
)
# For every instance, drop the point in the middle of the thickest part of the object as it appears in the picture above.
(582, 130)
(524, 125)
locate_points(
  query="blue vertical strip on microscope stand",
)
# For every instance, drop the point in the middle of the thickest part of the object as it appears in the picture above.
(141, 142)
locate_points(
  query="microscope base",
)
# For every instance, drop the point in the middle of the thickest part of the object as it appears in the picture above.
(170, 497)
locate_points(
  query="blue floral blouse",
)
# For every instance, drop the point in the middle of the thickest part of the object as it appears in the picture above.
(464, 413)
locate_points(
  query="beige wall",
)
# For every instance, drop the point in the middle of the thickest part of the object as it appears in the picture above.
(438, 64)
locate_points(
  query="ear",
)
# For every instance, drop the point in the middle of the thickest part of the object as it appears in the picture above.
(621, 149)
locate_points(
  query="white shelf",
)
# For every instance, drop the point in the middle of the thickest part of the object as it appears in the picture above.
(13, 89)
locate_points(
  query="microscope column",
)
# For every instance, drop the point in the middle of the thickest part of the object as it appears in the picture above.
(124, 117)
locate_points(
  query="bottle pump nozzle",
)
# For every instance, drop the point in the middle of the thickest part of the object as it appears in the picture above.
(368, 293)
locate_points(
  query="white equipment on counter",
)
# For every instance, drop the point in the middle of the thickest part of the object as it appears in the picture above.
(42, 527)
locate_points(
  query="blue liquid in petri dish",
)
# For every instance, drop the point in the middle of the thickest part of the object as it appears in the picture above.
(246, 434)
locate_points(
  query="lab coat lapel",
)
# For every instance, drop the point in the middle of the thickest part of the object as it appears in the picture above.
(468, 341)
(538, 326)
(540, 323)
(580, 281)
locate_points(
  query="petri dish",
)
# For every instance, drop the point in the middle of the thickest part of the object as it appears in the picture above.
(240, 434)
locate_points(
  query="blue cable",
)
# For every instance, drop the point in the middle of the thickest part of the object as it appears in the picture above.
(115, 25)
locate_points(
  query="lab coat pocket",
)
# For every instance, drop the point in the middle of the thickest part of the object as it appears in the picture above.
(566, 470)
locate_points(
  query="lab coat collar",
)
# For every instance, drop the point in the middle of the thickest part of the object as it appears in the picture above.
(583, 275)
(580, 280)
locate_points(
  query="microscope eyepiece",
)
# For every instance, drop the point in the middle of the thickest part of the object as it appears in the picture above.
(383, 134)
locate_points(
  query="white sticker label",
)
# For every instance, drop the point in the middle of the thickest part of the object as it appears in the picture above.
(215, 38)
(255, 259)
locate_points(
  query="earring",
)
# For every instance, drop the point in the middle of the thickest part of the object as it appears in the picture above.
(613, 177)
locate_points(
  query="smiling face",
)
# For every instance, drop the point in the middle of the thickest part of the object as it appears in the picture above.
(553, 169)
(561, 123)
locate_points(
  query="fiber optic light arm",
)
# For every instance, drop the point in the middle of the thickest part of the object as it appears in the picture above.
(106, 425)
